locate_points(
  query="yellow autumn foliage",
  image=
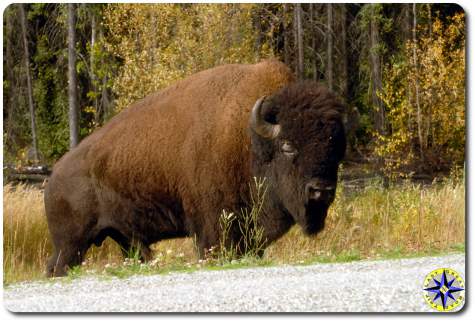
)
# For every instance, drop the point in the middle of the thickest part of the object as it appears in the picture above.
(161, 43)
(434, 139)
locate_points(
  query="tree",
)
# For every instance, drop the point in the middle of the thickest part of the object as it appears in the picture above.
(189, 38)
(329, 46)
(9, 79)
(344, 55)
(92, 63)
(72, 79)
(441, 90)
(376, 57)
(299, 39)
(26, 59)
(375, 62)
(286, 34)
(422, 144)
(313, 45)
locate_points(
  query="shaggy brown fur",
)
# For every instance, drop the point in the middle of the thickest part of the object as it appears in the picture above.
(165, 167)
(168, 165)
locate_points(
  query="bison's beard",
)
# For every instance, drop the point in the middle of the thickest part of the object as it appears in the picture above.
(315, 213)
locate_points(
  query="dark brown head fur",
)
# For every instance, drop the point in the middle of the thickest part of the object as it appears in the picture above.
(303, 160)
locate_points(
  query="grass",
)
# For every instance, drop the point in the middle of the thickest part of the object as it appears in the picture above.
(404, 220)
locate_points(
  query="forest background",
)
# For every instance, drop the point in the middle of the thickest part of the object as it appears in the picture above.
(399, 68)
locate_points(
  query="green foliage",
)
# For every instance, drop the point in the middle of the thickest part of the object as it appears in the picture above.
(142, 48)
(50, 100)
(369, 16)
(46, 27)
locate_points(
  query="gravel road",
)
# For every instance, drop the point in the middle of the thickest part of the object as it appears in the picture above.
(365, 286)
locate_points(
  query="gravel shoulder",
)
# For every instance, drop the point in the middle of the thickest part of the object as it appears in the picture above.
(363, 286)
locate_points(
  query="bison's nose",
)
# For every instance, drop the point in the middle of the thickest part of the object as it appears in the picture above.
(317, 191)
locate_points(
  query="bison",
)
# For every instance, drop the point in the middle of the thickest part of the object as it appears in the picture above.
(169, 164)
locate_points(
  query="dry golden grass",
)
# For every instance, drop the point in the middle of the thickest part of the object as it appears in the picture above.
(372, 222)
(377, 221)
(26, 242)
(25, 233)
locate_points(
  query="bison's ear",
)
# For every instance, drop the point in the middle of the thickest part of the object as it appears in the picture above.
(259, 124)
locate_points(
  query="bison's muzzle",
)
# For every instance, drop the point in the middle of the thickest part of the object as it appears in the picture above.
(316, 191)
(319, 197)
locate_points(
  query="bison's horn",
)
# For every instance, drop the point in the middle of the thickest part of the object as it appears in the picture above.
(259, 125)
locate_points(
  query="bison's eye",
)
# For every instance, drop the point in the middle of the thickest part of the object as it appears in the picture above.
(288, 149)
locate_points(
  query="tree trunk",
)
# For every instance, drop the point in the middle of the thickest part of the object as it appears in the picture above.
(300, 40)
(93, 45)
(285, 14)
(429, 128)
(329, 46)
(344, 55)
(429, 11)
(376, 78)
(416, 83)
(31, 105)
(72, 78)
(314, 41)
(298, 36)
(406, 27)
(295, 44)
(9, 95)
(92, 68)
(258, 28)
(105, 100)
(407, 21)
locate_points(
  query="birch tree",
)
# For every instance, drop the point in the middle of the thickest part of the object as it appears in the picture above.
(72, 78)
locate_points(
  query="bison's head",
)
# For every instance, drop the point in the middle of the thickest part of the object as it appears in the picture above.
(298, 140)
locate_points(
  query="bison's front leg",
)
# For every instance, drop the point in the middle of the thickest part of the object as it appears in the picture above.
(205, 239)
(63, 259)
(70, 244)
(204, 244)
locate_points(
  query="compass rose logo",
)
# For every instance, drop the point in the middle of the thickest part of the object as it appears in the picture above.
(444, 289)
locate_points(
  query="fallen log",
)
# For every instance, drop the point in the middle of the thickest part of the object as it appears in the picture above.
(26, 174)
